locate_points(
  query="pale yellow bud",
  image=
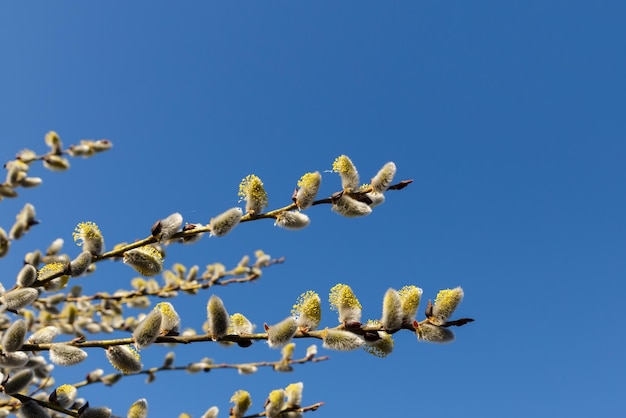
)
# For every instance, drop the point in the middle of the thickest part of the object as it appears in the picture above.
(274, 403)
(139, 409)
(294, 395)
(242, 402)
(445, 304)
(211, 412)
(308, 186)
(13, 360)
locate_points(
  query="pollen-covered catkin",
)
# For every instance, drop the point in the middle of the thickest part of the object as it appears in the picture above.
(148, 329)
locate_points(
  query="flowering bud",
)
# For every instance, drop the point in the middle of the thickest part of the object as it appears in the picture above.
(434, 334)
(31, 409)
(124, 358)
(89, 236)
(274, 403)
(392, 311)
(242, 402)
(382, 346)
(211, 412)
(292, 220)
(64, 396)
(381, 182)
(66, 355)
(349, 175)
(217, 317)
(446, 302)
(80, 264)
(335, 339)
(19, 298)
(280, 334)
(252, 191)
(26, 276)
(239, 324)
(139, 409)
(13, 360)
(81, 150)
(44, 335)
(148, 329)
(146, 260)
(166, 228)
(343, 300)
(308, 310)
(308, 186)
(294, 395)
(19, 381)
(349, 207)
(224, 223)
(410, 297)
(170, 320)
(13, 337)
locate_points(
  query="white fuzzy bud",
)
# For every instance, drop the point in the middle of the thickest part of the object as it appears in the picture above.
(80, 264)
(26, 276)
(381, 182)
(292, 220)
(217, 317)
(148, 329)
(392, 310)
(225, 222)
(434, 334)
(349, 207)
(124, 358)
(66, 355)
(340, 340)
(167, 227)
(19, 381)
(43, 335)
(281, 333)
(19, 298)
(13, 337)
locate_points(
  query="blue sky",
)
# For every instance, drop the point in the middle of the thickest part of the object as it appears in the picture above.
(509, 118)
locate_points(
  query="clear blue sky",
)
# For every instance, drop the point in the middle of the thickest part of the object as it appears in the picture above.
(509, 116)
